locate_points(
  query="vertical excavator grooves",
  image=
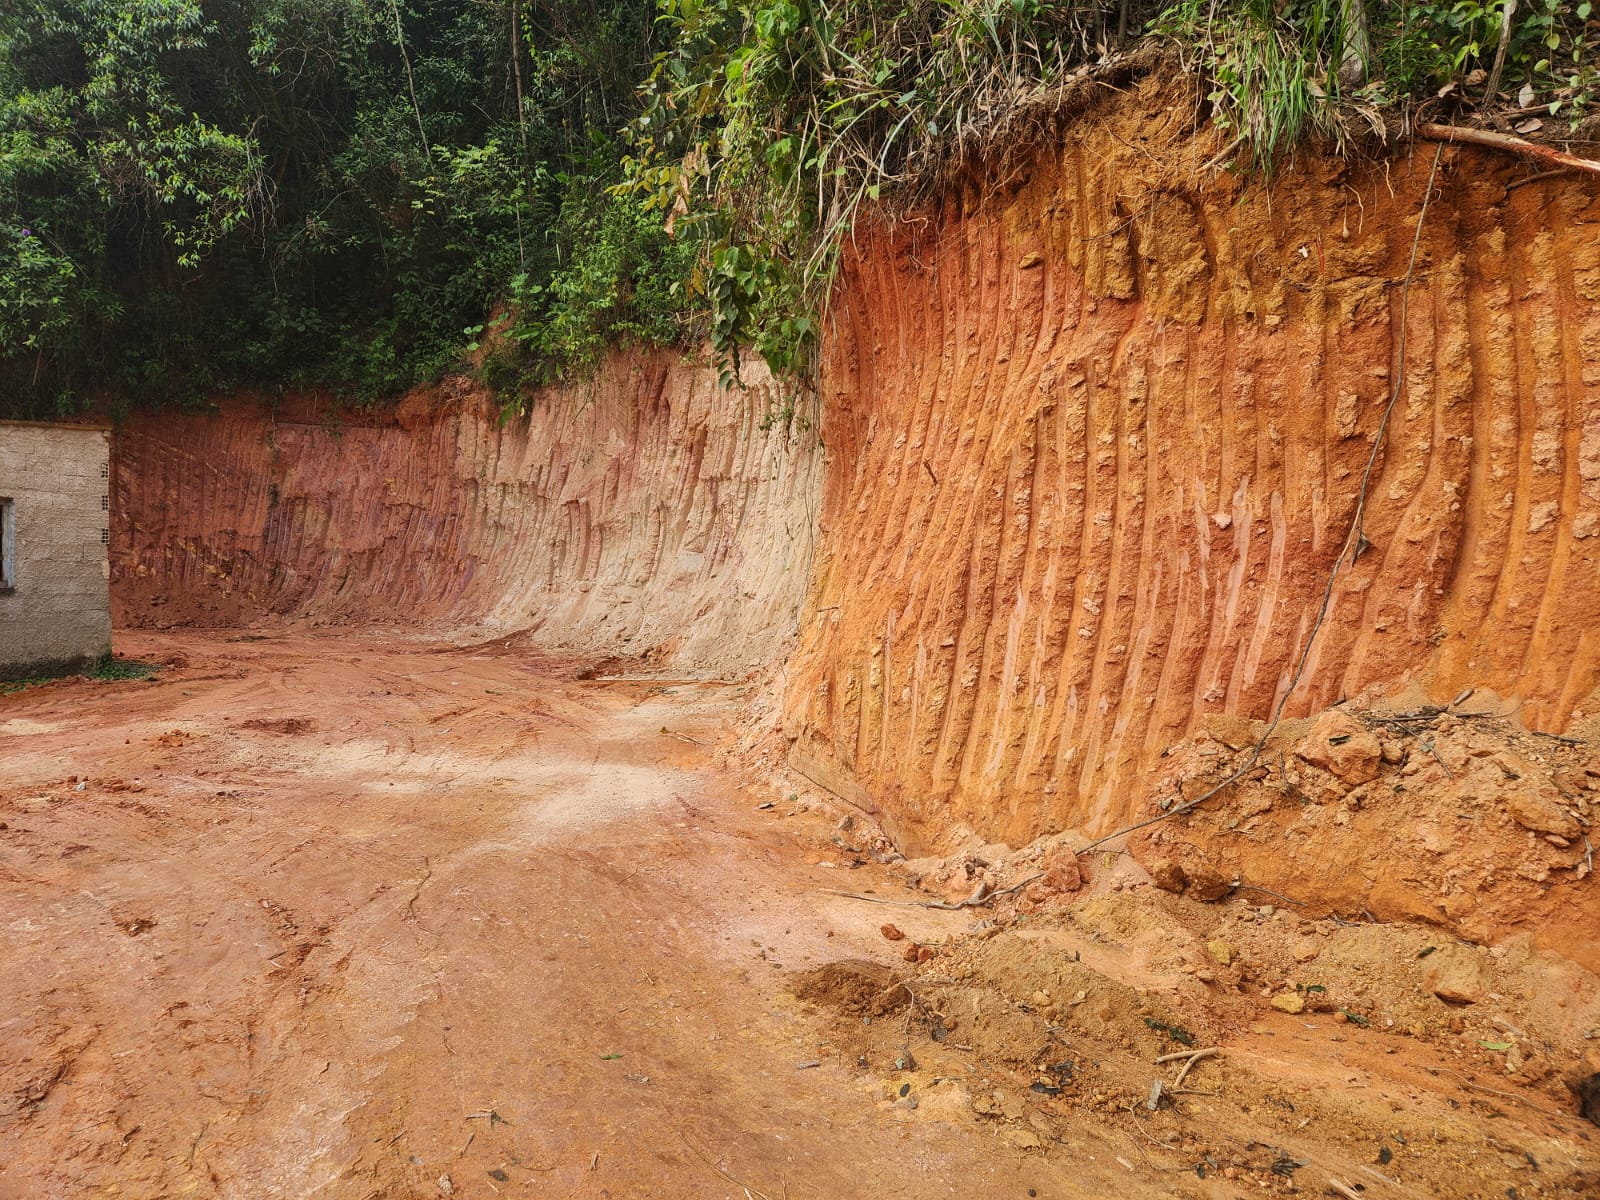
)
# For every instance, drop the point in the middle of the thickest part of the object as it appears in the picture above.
(1094, 448)
(646, 512)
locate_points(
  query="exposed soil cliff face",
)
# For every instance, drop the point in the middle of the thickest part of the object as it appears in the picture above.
(646, 512)
(1094, 449)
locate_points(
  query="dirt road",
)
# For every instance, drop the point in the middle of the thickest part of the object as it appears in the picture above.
(344, 916)
(353, 915)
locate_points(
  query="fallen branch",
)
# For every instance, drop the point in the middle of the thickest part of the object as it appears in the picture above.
(1478, 1087)
(1217, 159)
(1251, 887)
(975, 901)
(1194, 1058)
(1493, 85)
(1534, 178)
(1177, 1054)
(707, 1159)
(1510, 144)
(411, 904)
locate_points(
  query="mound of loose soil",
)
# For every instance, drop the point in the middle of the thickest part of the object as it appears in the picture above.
(1381, 1058)
(1456, 818)
(856, 987)
(289, 726)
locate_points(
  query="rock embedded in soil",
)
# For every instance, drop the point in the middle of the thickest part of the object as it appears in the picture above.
(1206, 883)
(1456, 975)
(1537, 809)
(1343, 747)
(1061, 874)
(1167, 874)
(1233, 731)
(1193, 876)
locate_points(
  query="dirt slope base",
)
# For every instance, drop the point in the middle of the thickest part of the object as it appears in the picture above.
(347, 917)
(1454, 817)
(645, 511)
(350, 916)
(1095, 445)
(1331, 1064)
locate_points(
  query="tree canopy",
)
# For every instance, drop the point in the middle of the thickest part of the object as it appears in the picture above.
(200, 192)
(196, 194)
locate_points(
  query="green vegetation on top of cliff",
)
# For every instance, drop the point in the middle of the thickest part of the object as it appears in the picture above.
(773, 126)
(197, 194)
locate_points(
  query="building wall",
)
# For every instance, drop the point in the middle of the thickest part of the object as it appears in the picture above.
(55, 615)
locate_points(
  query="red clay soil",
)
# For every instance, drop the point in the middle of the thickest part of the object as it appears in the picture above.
(1092, 447)
(363, 914)
(1095, 445)
(644, 511)
(1457, 819)
(348, 915)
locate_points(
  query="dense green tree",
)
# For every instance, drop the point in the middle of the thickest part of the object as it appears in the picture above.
(199, 192)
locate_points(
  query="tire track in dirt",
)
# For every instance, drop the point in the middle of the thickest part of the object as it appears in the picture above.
(279, 976)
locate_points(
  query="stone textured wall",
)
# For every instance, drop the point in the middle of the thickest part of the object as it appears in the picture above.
(57, 613)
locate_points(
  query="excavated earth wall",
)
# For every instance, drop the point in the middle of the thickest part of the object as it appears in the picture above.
(1094, 448)
(1093, 445)
(646, 512)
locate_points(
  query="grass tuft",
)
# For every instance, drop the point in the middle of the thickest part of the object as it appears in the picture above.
(109, 669)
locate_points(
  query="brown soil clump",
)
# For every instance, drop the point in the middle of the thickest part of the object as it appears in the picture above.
(858, 988)
(1457, 818)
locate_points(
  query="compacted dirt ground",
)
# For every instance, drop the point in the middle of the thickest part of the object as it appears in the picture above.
(355, 915)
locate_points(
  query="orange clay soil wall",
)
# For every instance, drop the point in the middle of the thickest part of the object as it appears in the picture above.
(647, 511)
(1094, 446)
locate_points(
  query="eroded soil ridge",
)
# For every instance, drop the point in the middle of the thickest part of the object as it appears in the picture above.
(647, 511)
(1095, 447)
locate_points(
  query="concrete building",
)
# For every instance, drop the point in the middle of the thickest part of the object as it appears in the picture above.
(55, 591)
